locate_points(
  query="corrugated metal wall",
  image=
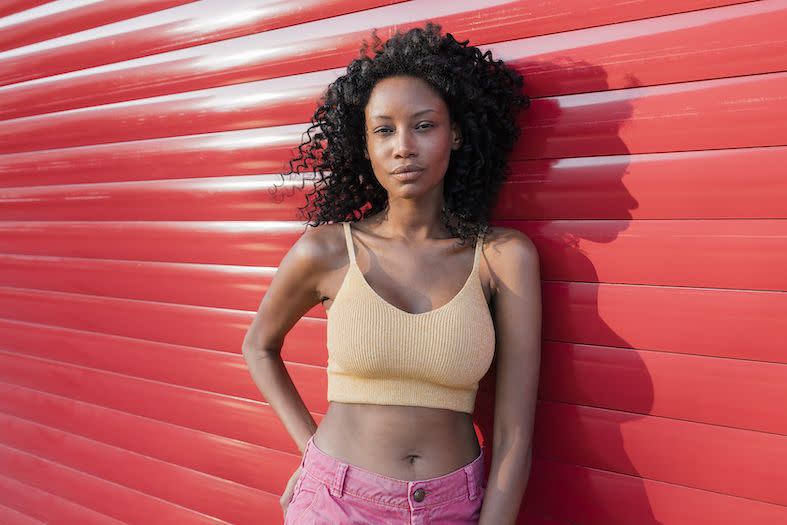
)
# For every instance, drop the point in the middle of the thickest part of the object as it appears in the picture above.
(138, 142)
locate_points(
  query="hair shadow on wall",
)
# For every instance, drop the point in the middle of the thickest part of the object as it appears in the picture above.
(592, 383)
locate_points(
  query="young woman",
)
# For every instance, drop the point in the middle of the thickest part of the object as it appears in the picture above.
(415, 139)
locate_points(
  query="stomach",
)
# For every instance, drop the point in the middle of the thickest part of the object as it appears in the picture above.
(402, 442)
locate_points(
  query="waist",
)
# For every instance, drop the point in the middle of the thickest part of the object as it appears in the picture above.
(402, 442)
(342, 479)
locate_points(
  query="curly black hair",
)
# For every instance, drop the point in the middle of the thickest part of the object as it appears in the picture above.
(483, 96)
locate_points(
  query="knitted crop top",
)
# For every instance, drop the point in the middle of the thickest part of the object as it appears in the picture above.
(380, 354)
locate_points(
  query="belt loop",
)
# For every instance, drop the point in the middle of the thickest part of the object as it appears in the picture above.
(471, 483)
(306, 451)
(337, 487)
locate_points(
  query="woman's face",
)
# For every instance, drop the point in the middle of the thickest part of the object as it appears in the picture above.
(408, 127)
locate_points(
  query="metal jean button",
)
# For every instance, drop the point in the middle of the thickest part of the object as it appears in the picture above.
(419, 494)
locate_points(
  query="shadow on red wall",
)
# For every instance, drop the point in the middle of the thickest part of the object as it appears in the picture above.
(581, 471)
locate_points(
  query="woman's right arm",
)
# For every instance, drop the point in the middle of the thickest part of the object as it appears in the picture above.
(292, 292)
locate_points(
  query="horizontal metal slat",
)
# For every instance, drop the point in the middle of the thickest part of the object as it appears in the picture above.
(266, 103)
(215, 286)
(574, 372)
(722, 323)
(119, 502)
(193, 24)
(216, 455)
(653, 252)
(683, 47)
(596, 66)
(745, 254)
(718, 459)
(10, 7)
(684, 185)
(185, 487)
(244, 152)
(330, 44)
(10, 516)
(72, 19)
(735, 393)
(657, 383)
(207, 370)
(740, 324)
(614, 187)
(37, 504)
(638, 431)
(739, 393)
(740, 112)
(198, 327)
(227, 416)
(253, 197)
(586, 496)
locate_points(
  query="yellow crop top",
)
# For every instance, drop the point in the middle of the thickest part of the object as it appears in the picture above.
(380, 354)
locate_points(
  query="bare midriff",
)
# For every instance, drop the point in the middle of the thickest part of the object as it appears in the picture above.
(402, 442)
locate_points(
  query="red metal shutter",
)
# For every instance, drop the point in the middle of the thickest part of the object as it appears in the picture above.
(138, 142)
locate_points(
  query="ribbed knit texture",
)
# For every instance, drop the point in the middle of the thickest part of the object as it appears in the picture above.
(380, 354)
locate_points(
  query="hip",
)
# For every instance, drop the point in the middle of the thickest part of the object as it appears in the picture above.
(330, 491)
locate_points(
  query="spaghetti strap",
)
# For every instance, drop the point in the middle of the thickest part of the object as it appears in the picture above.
(478, 247)
(349, 239)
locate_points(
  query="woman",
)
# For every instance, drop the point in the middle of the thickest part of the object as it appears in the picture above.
(415, 139)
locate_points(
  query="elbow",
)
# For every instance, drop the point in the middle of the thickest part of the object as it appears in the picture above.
(257, 345)
(256, 353)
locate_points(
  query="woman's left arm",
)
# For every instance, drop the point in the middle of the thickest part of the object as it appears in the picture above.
(514, 264)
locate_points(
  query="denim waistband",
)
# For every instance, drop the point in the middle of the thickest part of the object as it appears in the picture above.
(342, 478)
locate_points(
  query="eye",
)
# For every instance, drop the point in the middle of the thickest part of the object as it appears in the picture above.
(378, 130)
(425, 124)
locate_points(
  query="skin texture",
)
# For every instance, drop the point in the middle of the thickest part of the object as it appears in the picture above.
(411, 261)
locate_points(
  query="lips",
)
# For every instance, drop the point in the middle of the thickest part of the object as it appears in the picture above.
(407, 172)
(407, 167)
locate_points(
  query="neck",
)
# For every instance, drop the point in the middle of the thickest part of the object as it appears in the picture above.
(410, 220)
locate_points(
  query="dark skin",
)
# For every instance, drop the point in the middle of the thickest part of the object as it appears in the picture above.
(408, 257)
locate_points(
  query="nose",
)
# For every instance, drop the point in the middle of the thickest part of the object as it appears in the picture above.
(404, 145)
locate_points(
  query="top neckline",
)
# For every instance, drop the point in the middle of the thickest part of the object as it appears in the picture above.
(354, 264)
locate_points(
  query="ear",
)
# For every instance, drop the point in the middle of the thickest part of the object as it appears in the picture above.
(456, 137)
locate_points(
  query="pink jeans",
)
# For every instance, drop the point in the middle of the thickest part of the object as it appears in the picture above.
(332, 492)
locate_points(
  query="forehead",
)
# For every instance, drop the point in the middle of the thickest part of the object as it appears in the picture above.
(403, 96)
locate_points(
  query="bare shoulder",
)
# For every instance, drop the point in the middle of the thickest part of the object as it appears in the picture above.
(319, 246)
(294, 289)
(301, 274)
(510, 254)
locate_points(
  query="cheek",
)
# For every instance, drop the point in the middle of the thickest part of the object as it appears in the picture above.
(378, 163)
(376, 159)
(375, 149)
(439, 145)
(439, 150)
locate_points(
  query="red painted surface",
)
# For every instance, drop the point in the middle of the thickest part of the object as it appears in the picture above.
(10, 7)
(45, 24)
(138, 145)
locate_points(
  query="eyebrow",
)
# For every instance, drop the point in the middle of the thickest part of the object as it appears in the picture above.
(414, 114)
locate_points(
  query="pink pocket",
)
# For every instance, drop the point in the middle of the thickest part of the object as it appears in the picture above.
(304, 496)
